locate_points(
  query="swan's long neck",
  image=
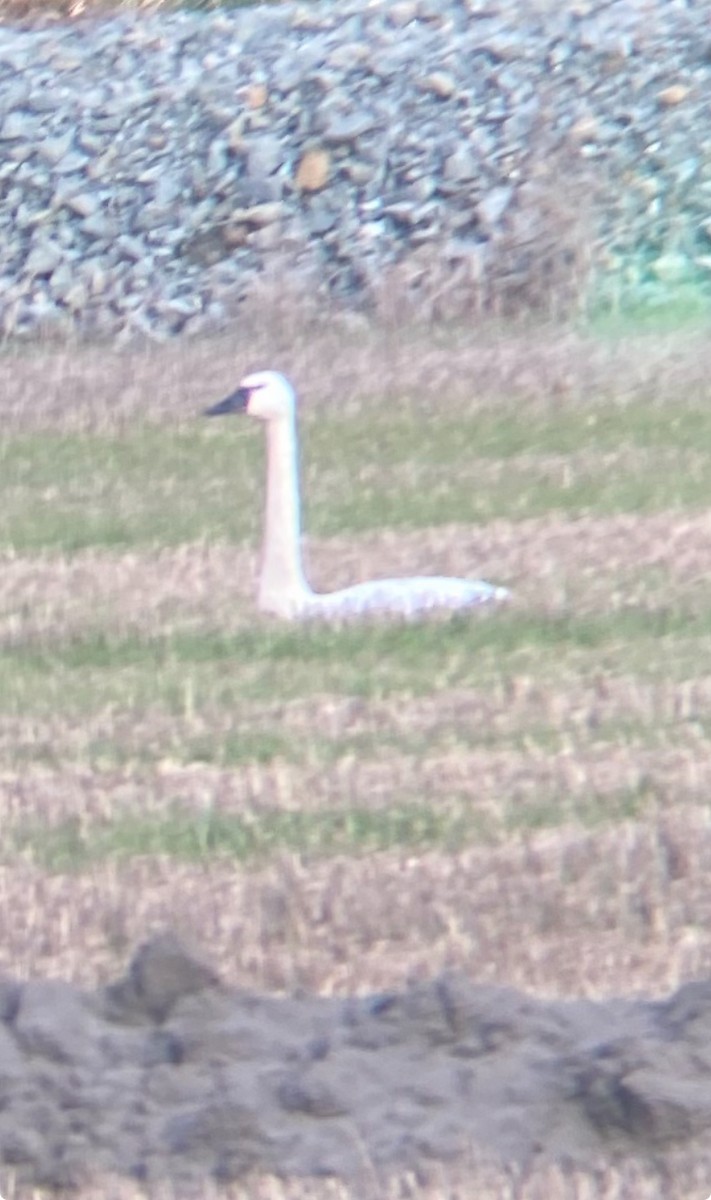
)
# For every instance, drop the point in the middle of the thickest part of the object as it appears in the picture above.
(281, 583)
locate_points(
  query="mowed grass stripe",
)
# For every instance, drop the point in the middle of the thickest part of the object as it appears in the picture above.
(74, 844)
(500, 786)
(383, 466)
(362, 660)
(584, 604)
(552, 563)
(505, 717)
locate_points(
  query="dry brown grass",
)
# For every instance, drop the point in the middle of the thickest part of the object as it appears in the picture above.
(614, 909)
(498, 792)
(676, 1179)
(593, 564)
(557, 913)
(340, 359)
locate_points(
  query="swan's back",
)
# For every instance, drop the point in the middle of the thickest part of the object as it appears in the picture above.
(404, 597)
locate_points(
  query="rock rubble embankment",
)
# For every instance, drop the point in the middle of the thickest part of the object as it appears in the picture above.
(152, 168)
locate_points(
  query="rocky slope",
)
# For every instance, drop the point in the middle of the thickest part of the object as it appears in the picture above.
(152, 169)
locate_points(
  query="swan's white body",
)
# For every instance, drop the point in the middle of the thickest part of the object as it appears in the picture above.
(283, 589)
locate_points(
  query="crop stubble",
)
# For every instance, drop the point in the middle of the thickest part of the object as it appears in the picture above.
(620, 906)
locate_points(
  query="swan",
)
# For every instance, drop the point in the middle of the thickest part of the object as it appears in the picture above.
(283, 589)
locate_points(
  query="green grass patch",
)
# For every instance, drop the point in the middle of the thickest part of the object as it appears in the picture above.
(249, 737)
(239, 747)
(655, 310)
(396, 467)
(596, 809)
(414, 436)
(74, 845)
(206, 672)
(146, 487)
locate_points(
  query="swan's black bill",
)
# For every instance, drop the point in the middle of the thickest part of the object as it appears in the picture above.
(236, 403)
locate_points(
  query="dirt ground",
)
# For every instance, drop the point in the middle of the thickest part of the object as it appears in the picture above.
(169, 1075)
(367, 1022)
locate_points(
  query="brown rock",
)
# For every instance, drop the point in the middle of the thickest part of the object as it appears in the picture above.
(256, 95)
(673, 95)
(440, 83)
(313, 170)
(585, 129)
(236, 235)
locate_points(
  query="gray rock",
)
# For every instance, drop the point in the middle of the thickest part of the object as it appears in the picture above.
(349, 56)
(321, 218)
(18, 125)
(347, 128)
(71, 163)
(462, 164)
(258, 215)
(99, 226)
(492, 207)
(84, 204)
(131, 248)
(217, 157)
(404, 212)
(264, 156)
(19, 152)
(53, 149)
(43, 258)
(359, 172)
(62, 280)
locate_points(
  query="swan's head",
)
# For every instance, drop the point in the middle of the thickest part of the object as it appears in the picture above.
(264, 394)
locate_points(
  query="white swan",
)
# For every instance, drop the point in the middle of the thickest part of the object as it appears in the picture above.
(283, 589)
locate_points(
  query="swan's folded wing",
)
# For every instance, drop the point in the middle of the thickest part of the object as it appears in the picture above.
(406, 597)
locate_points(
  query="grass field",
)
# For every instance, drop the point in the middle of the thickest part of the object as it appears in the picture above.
(523, 796)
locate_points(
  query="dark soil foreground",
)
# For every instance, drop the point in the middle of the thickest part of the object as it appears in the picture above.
(168, 1075)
